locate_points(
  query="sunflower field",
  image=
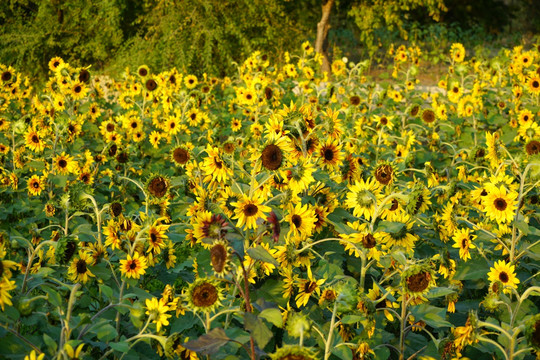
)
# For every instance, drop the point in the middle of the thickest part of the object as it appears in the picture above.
(281, 213)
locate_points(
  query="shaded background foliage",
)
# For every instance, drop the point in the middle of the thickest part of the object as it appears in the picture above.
(210, 36)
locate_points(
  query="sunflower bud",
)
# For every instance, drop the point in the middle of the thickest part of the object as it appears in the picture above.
(298, 325)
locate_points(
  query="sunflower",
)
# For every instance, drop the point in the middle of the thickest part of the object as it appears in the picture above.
(157, 237)
(204, 295)
(363, 197)
(64, 164)
(525, 116)
(500, 204)
(214, 166)
(36, 185)
(504, 273)
(133, 267)
(78, 270)
(143, 71)
(301, 175)
(418, 279)
(219, 256)
(158, 186)
(157, 312)
(6, 285)
(302, 221)
(190, 81)
(72, 353)
(248, 210)
(34, 141)
(307, 288)
(384, 173)
(78, 90)
(532, 147)
(180, 155)
(457, 52)
(493, 146)
(362, 240)
(174, 347)
(330, 154)
(55, 62)
(534, 85)
(464, 241)
(274, 154)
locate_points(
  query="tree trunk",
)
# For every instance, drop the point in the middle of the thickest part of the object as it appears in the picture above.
(321, 44)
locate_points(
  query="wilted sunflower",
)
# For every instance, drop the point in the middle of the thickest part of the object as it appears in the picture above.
(78, 270)
(204, 295)
(418, 279)
(500, 204)
(384, 173)
(133, 267)
(532, 147)
(219, 256)
(158, 186)
(504, 273)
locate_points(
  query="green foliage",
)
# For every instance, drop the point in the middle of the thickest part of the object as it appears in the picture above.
(32, 32)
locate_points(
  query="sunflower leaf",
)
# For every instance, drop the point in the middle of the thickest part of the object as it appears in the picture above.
(208, 344)
(260, 253)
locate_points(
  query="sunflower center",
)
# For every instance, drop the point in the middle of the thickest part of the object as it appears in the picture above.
(153, 237)
(77, 89)
(62, 163)
(158, 187)
(218, 163)
(81, 266)
(110, 127)
(464, 243)
(533, 147)
(204, 295)
(395, 205)
(500, 204)
(384, 120)
(536, 333)
(535, 84)
(309, 287)
(368, 241)
(132, 265)
(180, 156)
(116, 208)
(328, 154)
(293, 357)
(250, 210)
(35, 139)
(1, 269)
(272, 157)
(503, 276)
(296, 220)
(418, 282)
(35, 184)
(383, 174)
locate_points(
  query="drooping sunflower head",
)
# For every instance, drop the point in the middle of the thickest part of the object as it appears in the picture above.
(65, 249)
(158, 186)
(219, 257)
(532, 147)
(418, 279)
(384, 173)
(204, 295)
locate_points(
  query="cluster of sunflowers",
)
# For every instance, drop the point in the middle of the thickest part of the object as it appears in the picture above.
(282, 213)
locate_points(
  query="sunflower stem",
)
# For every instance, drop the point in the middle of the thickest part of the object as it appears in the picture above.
(402, 319)
(328, 342)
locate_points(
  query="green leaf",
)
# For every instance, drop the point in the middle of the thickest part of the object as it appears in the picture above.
(260, 253)
(51, 343)
(54, 297)
(471, 271)
(343, 352)
(106, 291)
(260, 332)
(106, 332)
(523, 227)
(122, 346)
(101, 271)
(390, 226)
(273, 316)
(208, 344)
(400, 257)
(352, 319)
(431, 315)
(438, 292)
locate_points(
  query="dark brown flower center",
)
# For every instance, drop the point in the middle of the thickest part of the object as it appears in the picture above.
(77, 89)
(384, 173)
(116, 209)
(132, 265)
(158, 187)
(503, 276)
(428, 116)
(296, 220)
(368, 241)
(151, 84)
(143, 72)
(310, 287)
(328, 154)
(250, 210)
(204, 295)
(6, 76)
(180, 156)
(536, 334)
(35, 139)
(81, 266)
(418, 282)
(532, 147)
(355, 100)
(272, 157)
(500, 204)
(62, 163)
(35, 184)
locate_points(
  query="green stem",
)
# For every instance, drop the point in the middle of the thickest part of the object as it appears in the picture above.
(328, 342)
